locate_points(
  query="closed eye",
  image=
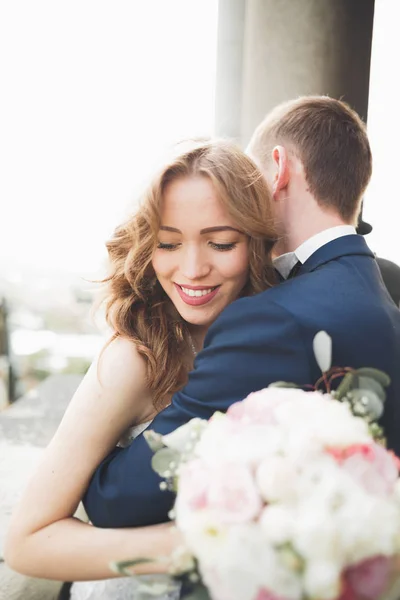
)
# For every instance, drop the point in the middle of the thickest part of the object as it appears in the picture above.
(223, 247)
(170, 247)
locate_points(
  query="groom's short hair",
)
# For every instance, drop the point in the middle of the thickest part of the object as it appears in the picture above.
(331, 141)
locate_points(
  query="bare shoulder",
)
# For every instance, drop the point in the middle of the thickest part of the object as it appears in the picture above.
(114, 389)
(120, 363)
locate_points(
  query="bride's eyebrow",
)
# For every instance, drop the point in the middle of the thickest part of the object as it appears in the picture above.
(206, 230)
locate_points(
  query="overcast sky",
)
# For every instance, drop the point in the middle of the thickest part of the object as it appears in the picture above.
(93, 92)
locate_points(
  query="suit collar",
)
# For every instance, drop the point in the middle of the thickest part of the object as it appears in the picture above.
(314, 243)
(285, 262)
(348, 245)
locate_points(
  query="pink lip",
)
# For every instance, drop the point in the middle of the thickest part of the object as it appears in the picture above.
(193, 300)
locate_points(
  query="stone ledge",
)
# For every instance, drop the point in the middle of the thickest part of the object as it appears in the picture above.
(26, 427)
(17, 587)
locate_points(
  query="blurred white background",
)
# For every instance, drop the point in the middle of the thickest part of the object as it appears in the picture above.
(93, 93)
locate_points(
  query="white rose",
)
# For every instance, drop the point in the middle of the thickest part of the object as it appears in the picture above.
(233, 442)
(252, 444)
(301, 407)
(303, 448)
(322, 580)
(278, 524)
(212, 443)
(379, 537)
(396, 491)
(329, 421)
(250, 564)
(236, 572)
(317, 535)
(276, 479)
(204, 535)
(320, 479)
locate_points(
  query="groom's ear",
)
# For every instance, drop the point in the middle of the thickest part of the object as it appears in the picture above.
(281, 170)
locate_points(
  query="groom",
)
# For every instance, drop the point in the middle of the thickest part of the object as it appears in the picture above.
(315, 156)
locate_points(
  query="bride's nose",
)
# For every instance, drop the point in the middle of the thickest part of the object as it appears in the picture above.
(195, 263)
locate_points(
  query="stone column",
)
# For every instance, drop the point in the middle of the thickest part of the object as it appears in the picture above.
(291, 48)
(228, 100)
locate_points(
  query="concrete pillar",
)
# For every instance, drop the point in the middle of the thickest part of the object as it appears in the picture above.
(292, 48)
(228, 100)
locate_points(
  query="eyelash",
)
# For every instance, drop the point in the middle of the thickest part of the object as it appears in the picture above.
(223, 247)
(215, 246)
(169, 247)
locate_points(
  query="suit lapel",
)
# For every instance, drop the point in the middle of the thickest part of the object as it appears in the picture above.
(348, 245)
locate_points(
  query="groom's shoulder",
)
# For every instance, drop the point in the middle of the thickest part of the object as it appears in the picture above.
(254, 320)
(278, 297)
(305, 295)
(270, 305)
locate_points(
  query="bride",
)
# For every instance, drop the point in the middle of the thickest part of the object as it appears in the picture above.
(201, 238)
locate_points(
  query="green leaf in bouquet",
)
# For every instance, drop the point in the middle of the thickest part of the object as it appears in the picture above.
(155, 588)
(184, 438)
(154, 440)
(152, 586)
(283, 384)
(376, 374)
(366, 404)
(290, 557)
(367, 383)
(345, 386)
(122, 567)
(376, 431)
(165, 462)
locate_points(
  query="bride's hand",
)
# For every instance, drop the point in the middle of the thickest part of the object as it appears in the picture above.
(167, 545)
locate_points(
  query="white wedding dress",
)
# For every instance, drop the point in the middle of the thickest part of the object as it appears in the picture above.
(124, 588)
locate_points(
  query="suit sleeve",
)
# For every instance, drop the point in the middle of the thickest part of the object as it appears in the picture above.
(251, 345)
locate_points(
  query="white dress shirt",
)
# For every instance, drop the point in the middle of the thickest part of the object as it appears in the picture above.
(285, 262)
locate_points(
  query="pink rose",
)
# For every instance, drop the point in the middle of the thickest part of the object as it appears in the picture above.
(369, 578)
(366, 451)
(258, 408)
(264, 594)
(227, 489)
(193, 484)
(347, 592)
(375, 470)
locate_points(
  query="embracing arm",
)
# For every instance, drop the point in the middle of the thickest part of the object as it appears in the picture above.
(44, 539)
(251, 345)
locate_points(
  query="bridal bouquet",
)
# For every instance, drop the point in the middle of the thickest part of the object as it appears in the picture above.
(290, 495)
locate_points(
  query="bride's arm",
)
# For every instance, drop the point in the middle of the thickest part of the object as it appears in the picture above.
(44, 539)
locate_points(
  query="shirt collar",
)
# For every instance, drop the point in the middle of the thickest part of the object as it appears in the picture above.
(285, 262)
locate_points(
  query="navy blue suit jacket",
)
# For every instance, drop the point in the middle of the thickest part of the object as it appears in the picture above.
(256, 341)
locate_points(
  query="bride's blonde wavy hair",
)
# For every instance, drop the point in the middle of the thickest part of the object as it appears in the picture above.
(136, 305)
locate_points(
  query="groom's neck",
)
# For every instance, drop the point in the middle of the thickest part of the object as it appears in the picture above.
(303, 227)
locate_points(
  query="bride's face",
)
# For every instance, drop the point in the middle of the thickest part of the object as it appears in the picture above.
(202, 258)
